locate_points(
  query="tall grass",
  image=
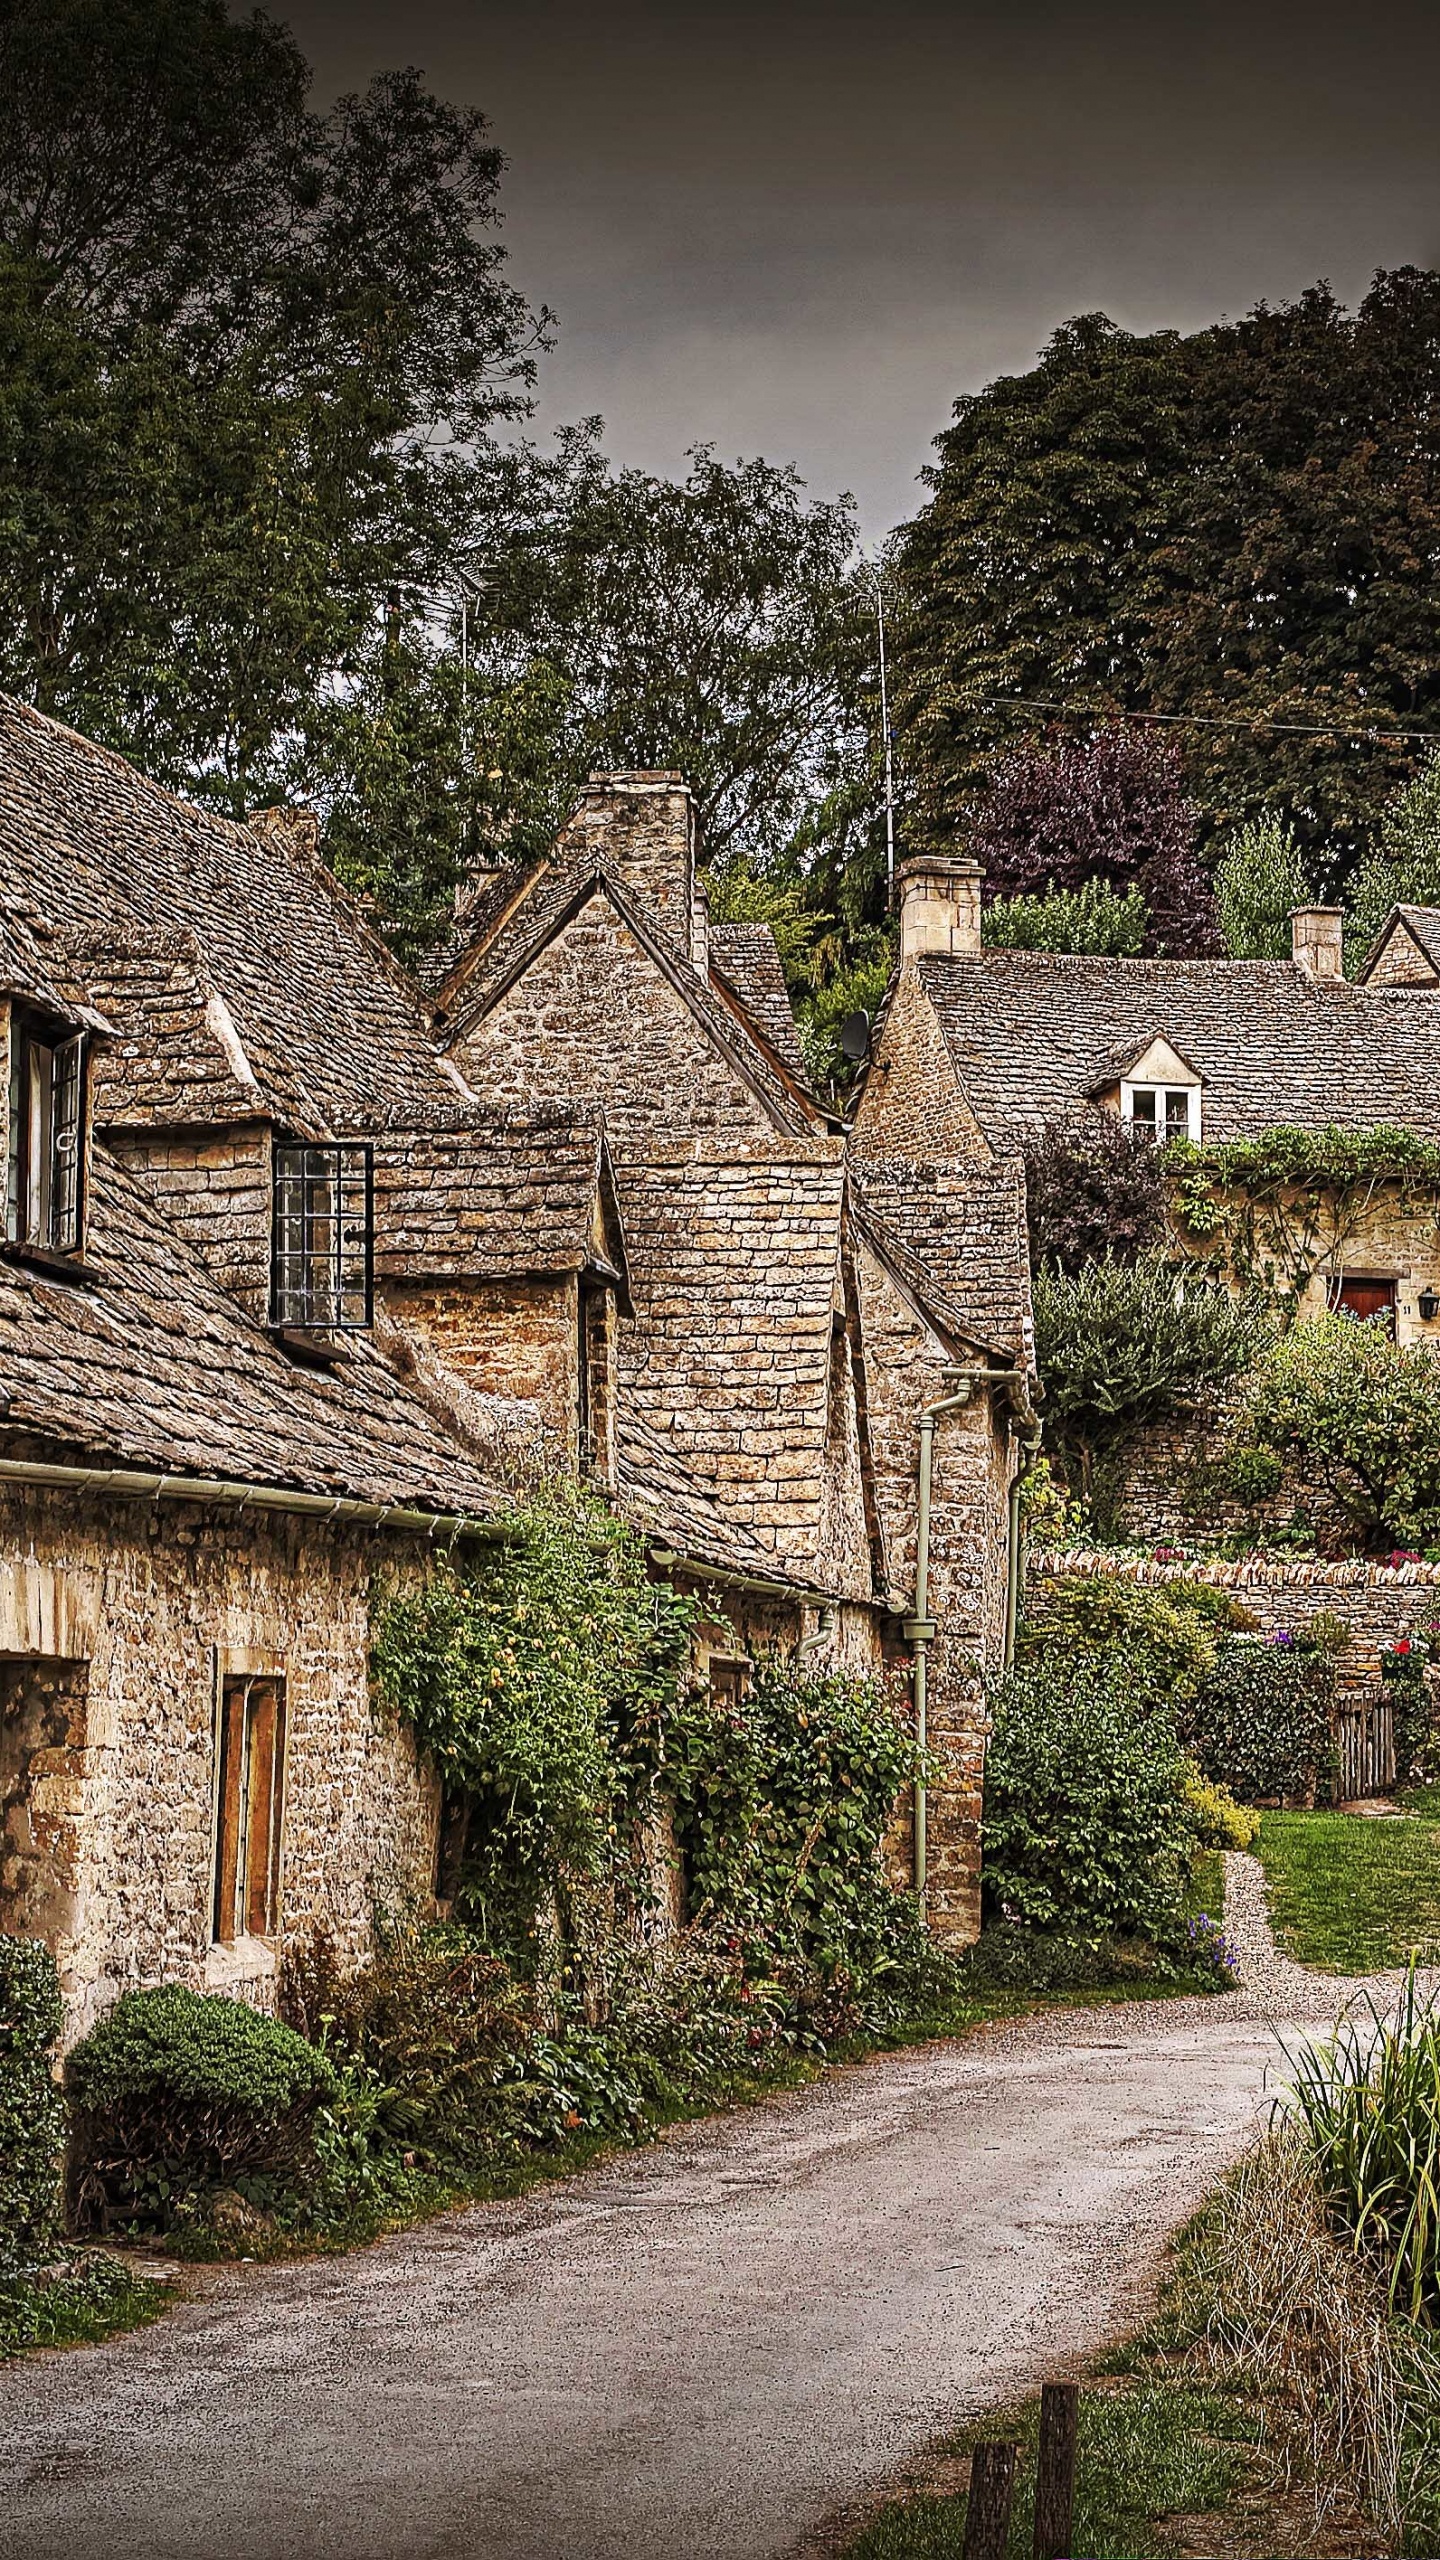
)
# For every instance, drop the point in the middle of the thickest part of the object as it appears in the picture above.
(1369, 2106)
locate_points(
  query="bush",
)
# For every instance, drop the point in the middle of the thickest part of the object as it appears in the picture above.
(1360, 1414)
(1093, 1186)
(1094, 918)
(1261, 1722)
(1217, 1820)
(1168, 1635)
(782, 1802)
(174, 2094)
(1369, 2104)
(1120, 1346)
(1085, 1827)
(32, 2115)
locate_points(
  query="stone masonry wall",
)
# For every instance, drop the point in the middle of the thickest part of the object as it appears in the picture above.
(1378, 1602)
(515, 1338)
(972, 1465)
(214, 1188)
(158, 1601)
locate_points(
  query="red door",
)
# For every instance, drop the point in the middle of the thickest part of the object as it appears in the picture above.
(1364, 1297)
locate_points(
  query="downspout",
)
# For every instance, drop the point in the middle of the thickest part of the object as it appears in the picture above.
(1014, 1552)
(921, 1627)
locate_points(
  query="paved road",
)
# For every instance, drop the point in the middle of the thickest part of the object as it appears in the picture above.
(696, 2353)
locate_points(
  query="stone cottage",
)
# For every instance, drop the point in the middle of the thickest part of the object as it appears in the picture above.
(302, 1272)
(977, 1048)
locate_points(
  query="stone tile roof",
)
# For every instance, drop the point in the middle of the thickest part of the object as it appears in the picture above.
(175, 1058)
(500, 1196)
(28, 972)
(155, 1367)
(748, 957)
(521, 914)
(668, 1503)
(1423, 924)
(324, 1013)
(955, 1239)
(1031, 1033)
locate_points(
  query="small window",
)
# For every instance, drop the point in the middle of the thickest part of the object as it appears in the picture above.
(47, 1088)
(324, 1224)
(250, 1791)
(1163, 1111)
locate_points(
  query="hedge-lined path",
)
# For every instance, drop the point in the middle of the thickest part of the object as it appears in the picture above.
(697, 2352)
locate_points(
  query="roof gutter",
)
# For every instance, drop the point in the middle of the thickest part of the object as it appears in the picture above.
(670, 1561)
(133, 1484)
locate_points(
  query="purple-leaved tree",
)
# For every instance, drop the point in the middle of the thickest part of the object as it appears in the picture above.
(1112, 807)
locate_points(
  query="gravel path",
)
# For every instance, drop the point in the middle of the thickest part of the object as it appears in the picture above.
(700, 2351)
(1272, 1984)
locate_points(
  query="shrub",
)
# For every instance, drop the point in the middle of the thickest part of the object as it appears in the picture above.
(1260, 876)
(538, 1675)
(32, 2115)
(1169, 1636)
(1217, 1820)
(1120, 1346)
(782, 1801)
(1085, 1827)
(1093, 1186)
(1260, 1723)
(1361, 1415)
(174, 2093)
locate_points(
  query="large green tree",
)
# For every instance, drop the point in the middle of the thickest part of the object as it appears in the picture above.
(248, 354)
(1241, 526)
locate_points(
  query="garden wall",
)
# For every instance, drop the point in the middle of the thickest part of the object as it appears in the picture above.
(1377, 1601)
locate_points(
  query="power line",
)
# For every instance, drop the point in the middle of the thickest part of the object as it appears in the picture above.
(1210, 720)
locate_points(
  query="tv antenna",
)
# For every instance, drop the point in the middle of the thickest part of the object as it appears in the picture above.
(888, 743)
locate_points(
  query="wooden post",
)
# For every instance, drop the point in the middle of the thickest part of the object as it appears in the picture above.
(987, 2509)
(1055, 2471)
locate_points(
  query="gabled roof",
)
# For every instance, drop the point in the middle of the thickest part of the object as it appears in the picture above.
(154, 1366)
(954, 1239)
(175, 1057)
(501, 1194)
(748, 958)
(668, 1503)
(114, 863)
(1423, 926)
(523, 920)
(1030, 1033)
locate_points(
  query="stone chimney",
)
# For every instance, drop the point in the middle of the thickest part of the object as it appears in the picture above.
(643, 826)
(940, 907)
(1317, 941)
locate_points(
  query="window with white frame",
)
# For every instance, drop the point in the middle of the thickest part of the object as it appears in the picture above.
(1162, 1111)
(47, 1110)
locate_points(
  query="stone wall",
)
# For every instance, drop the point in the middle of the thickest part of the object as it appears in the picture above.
(1378, 1602)
(137, 1611)
(513, 1338)
(215, 1189)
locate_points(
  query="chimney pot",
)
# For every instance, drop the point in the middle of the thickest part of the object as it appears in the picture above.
(940, 907)
(1317, 941)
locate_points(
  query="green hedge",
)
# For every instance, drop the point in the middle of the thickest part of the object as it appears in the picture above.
(1261, 1723)
(174, 2094)
(32, 2114)
(1169, 1636)
(1086, 1828)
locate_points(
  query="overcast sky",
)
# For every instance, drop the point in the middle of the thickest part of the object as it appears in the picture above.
(801, 230)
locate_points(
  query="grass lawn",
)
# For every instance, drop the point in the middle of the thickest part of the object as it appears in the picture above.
(1349, 1895)
(1146, 2452)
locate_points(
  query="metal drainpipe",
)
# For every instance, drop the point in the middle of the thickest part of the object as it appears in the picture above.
(1029, 1443)
(921, 1627)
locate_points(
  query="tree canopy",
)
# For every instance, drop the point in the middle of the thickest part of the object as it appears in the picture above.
(1238, 526)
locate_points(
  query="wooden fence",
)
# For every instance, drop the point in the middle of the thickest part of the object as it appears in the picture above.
(1366, 1739)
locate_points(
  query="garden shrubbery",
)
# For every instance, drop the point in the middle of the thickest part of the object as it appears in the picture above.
(32, 2115)
(175, 2094)
(1260, 1723)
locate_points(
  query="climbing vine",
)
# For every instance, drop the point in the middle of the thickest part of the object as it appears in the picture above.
(538, 1673)
(1281, 1208)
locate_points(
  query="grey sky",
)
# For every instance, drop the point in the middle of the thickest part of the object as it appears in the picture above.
(802, 230)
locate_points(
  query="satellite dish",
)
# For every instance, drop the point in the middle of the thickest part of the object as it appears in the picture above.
(855, 1036)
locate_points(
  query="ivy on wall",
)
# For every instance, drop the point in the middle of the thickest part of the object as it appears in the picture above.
(1281, 1208)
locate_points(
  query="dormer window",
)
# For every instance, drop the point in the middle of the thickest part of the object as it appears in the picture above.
(322, 1256)
(1162, 1111)
(47, 1110)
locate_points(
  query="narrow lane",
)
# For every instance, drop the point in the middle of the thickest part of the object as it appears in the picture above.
(695, 2353)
